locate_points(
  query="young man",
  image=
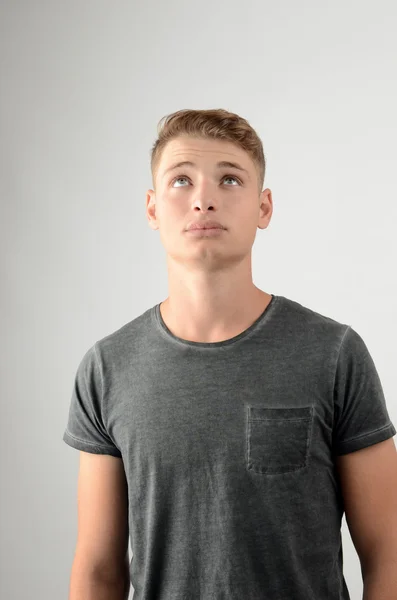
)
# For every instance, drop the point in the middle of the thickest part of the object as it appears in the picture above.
(226, 429)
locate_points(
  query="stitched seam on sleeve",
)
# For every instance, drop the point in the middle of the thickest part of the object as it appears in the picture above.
(100, 371)
(88, 443)
(104, 416)
(363, 435)
(337, 359)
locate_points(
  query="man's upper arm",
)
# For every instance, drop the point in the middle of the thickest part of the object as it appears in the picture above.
(368, 480)
(102, 540)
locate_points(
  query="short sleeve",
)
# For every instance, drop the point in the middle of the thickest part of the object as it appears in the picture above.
(361, 417)
(85, 429)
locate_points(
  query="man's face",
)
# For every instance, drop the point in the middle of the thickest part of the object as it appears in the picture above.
(205, 191)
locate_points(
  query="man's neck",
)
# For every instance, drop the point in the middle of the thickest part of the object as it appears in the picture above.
(188, 325)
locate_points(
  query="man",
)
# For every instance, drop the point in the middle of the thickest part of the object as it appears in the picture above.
(227, 429)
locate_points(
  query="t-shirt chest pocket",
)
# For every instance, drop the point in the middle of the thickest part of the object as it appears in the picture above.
(277, 439)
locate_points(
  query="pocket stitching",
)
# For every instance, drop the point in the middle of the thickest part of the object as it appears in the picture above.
(309, 417)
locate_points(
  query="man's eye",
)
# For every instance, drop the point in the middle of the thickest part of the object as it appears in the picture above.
(185, 177)
(231, 177)
(178, 179)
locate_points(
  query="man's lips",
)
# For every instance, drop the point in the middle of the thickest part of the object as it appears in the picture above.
(200, 225)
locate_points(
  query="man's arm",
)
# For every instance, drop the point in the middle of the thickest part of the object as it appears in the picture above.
(369, 485)
(100, 569)
(84, 586)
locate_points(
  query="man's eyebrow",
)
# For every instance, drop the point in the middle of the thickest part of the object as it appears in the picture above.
(220, 165)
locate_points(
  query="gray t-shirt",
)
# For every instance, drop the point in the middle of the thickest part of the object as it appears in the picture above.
(228, 449)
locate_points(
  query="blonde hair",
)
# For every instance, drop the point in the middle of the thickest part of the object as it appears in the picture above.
(218, 124)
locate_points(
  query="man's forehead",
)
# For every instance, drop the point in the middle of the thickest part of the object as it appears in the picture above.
(191, 149)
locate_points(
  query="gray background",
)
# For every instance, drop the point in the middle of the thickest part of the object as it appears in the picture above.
(83, 85)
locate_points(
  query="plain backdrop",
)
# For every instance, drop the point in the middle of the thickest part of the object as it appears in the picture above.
(83, 86)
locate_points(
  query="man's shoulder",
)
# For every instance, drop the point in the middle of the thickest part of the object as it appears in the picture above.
(127, 336)
(307, 318)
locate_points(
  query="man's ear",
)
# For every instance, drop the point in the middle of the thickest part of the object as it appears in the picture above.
(151, 209)
(266, 208)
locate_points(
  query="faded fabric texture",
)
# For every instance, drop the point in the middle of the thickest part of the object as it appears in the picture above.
(228, 449)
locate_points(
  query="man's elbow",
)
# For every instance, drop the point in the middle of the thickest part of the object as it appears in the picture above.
(95, 583)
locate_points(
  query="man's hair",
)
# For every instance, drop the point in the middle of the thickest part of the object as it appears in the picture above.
(217, 124)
